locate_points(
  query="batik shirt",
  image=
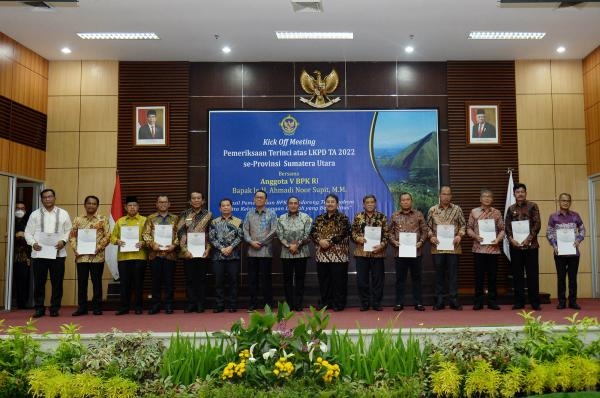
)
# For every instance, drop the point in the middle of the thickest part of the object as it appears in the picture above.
(127, 221)
(294, 228)
(409, 221)
(148, 235)
(452, 215)
(560, 220)
(225, 232)
(479, 213)
(334, 227)
(101, 225)
(192, 221)
(362, 220)
(260, 226)
(524, 211)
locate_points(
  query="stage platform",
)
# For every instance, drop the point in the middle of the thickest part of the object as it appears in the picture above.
(351, 318)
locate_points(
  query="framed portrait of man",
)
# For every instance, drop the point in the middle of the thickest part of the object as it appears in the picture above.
(483, 123)
(151, 125)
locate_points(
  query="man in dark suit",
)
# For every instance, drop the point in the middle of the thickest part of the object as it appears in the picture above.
(483, 129)
(150, 130)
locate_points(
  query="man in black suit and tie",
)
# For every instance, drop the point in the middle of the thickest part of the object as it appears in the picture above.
(150, 130)
(483, 129)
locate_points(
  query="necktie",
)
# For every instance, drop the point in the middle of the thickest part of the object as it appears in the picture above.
(480, 132)
(152, 127)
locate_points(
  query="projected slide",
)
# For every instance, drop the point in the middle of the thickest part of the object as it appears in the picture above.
(310, 154)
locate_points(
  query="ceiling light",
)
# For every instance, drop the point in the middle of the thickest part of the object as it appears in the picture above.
(561, 49)
(119, 36)
(314, 35)
(409, 49)
(506, 35)
(226, 49)
(65, 50)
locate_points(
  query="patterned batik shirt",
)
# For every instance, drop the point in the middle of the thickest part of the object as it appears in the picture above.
(560, 220)
(225, 232)
(524, 211)
(294, 228)
(452, 215)
(148, 235)
(409, 221)
(102, 227)
(479, 213)
(362, 220)
(334, 227)
(192, 221)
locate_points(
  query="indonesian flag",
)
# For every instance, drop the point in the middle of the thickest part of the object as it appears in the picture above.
(510, 200)
(116, 212)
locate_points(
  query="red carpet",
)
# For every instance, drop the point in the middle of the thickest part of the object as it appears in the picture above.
(351, 318)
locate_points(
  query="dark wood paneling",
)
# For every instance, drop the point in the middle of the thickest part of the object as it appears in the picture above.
(148, 171)
(198, 179)
(371, 78)
(199, 107)
(268, 78)
(22, 124)
(273, 103)
(473, 167)
(371, 102)
(216, 79)
(421, 78)
(198, 144)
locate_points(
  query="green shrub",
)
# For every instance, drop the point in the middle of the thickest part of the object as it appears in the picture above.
(483, 380)
(446, 381)
(511, 382)
(69, 349)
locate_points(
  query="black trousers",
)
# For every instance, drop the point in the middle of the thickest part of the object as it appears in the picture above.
(163, 271)
(21, 283)
(41, 268)
(195, 270)
(131, 275)
(525, 261)
(566, 266)
(260, 267)
(446, 266)
(93, 270)
(294, 270)
(485, 264)
(226, 275)
(333, 284)
(403, 265)
(370, 274)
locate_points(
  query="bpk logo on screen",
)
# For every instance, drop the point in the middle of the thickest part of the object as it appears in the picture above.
(289, 124)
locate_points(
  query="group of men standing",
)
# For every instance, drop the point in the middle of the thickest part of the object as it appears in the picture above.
(196, 238)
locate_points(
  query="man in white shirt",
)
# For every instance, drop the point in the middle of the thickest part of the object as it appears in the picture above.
(47, 232)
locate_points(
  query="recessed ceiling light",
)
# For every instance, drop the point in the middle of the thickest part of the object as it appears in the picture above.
(409, 49)
(561, 49)
(65, 50)
(314, 35)
(226, 49)
(119, 36)
(506, 35)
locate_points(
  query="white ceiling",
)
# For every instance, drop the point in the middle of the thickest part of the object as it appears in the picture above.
(382, 28)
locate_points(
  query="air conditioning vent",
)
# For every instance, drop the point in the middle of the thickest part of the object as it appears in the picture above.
(307, 5)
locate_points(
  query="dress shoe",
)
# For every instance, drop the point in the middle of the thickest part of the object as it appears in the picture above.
(200, 310)
(338, 309)
(363, 308)
(189, 308)
(169, 311)
(39, 313)
(377, 308)
(299, 308)
(153, 311)
(122, 312)
(53, 313)
(477, 307)
(574, 306)
(97, 312)
(251, 308)
(438, 307)
(561, 306)
(398, 307)
(419, 307)
(456, 307)
(536, 307)
(494, 307)
(232, 310)
(138, 311)
(518, 307)
(79, 312)
(218, 310)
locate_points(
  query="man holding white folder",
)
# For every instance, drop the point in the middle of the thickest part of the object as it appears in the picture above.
(47, 232)
(565, 233)
(161, 239)
(486, 227)
(89, 237)
(407, 233)
(522, 225)
(447, 226)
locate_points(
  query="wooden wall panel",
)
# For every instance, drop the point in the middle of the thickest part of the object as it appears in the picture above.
(27, 161)
(591, 92)
(148, 171)
(473, 167)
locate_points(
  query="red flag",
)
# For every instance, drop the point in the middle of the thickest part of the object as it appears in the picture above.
(116, 212)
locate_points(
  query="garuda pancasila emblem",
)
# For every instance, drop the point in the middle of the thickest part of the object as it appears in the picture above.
(319, 87)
